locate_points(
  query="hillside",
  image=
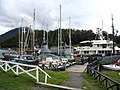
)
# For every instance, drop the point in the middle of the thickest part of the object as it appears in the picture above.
(8, 34)
(10, 39)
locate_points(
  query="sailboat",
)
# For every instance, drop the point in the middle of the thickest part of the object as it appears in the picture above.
(9, 54)
(70, 56)
(27, 55)
(46, 59)
(22, 56)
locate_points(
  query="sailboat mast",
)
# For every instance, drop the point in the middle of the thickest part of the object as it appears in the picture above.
(22, 40)
(33, 28)
(113, 36)
(43, 31)
(102, 24)
(20, 35)
(44, 36)
(70, 34)
(47, 34)
(19, 42)
(60, 34)
(58, 38)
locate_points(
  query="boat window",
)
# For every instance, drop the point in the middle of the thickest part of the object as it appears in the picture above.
(91, 45)
(86, 52)
(104, 45)
(99, 52)
(102, 51)
(86, 44)
(117, 51)
(98, 45)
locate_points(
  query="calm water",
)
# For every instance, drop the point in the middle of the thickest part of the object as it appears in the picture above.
(2, 51)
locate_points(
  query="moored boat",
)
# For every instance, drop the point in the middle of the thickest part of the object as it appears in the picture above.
(112, 67)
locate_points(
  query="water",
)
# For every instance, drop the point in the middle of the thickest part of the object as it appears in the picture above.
(2, 51)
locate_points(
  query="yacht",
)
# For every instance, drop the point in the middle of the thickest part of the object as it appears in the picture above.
(97, 47)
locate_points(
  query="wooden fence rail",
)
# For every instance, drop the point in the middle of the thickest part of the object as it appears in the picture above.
(18, 68)
(103, 79)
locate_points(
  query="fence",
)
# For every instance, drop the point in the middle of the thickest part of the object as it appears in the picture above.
(103, 79)
(18, 68)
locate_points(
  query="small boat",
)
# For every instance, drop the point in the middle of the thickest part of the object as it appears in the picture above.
(13, 56)
(24, 59)
(112, 67)
(10, 55)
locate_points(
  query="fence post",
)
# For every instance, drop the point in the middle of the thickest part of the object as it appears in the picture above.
(45, 78)
(17, 70)
(5, 66)
(37, 74)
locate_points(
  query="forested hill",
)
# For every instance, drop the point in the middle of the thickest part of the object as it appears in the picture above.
(11, 38)
(8, 34)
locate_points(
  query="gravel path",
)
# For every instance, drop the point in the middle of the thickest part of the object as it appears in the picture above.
(76, 80)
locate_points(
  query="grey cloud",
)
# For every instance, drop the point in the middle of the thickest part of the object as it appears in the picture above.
(80, 11)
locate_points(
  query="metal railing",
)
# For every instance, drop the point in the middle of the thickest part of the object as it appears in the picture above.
(18, 68)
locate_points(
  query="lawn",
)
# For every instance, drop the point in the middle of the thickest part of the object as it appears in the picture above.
(90, 83)
(112, 74)
(8, 81)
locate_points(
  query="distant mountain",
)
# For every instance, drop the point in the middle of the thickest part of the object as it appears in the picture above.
(9, 34)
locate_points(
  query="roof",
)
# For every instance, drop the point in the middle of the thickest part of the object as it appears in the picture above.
(98, 42)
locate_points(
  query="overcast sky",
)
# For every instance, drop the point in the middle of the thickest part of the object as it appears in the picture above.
(85, 14)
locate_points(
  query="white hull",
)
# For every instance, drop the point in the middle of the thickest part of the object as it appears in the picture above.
(112, 67)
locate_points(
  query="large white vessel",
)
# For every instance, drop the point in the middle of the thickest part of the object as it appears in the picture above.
(100, 47)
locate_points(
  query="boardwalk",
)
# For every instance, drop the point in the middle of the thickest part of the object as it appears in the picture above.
(75, 81)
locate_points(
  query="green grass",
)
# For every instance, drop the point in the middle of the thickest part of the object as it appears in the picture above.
(58, 77)
(112, 74)
(90, 83)
(8, 81)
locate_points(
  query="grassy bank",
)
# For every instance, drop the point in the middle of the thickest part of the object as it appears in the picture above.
(8, 81)
(90, 83)
(112, 74)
